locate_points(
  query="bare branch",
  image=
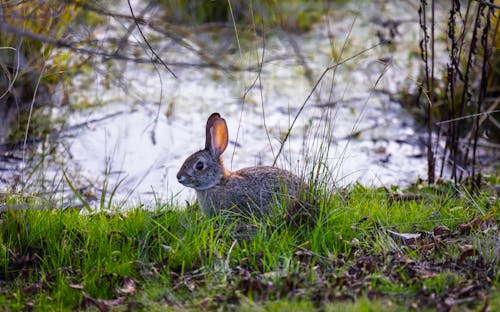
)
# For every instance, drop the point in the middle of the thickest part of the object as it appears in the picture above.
(73, 46)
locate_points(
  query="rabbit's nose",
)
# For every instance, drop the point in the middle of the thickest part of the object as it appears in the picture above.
(181, 178)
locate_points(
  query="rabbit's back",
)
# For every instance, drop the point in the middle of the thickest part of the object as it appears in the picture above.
(250, 190)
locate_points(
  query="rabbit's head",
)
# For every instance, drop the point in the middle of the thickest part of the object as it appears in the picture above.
(204, 169)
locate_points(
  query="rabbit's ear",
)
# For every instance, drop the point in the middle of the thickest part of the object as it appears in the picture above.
(219, 136)
(210, 123)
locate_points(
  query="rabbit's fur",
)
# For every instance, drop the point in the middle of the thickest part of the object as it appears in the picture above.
(252, 190)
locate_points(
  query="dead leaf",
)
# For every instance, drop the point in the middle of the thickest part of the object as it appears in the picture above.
(441, 231)
(464, 228)
(427, 274)
(34, 287)
(29, 306)
(485, 224)
(102, 304)
(76, 286)
(365, 263)
(403, 260)
(466, 290)
(166, 248)
(468, 251)
(450, 302)
(404, 236)
(128, 286)
(427, 247)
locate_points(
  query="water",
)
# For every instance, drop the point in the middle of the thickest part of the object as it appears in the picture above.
(150, 122)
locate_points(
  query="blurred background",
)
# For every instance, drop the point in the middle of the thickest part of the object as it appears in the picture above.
(101, 101)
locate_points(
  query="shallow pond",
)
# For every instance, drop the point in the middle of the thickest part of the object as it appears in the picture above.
(149, 122)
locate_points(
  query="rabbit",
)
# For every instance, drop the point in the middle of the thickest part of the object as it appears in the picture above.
(252, 190)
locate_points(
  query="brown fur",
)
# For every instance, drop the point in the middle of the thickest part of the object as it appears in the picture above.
(252, 190)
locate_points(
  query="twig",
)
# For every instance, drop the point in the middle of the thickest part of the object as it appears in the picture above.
(130, 28)
(157, 117)
(466, 94)
(208, 62)
(120, 57)
(481, 96)
(88, 122)
(453, 69)
(431, 160)
(429, 82)
(147, 42)
(468, 116)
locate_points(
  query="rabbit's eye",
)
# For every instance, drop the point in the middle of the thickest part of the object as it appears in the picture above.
(199, 165)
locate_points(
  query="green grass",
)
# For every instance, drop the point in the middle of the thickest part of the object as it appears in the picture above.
(180, 259)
